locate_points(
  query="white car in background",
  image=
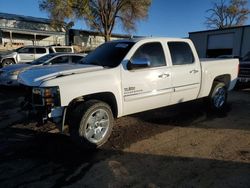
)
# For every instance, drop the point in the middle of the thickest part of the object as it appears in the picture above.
(8, 74)
(30, 53)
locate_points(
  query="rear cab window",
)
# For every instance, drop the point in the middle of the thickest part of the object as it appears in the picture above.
(181, 53)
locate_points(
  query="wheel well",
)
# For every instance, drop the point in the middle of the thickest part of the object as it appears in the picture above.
(10, 59)
(224, 79)
(106, 97)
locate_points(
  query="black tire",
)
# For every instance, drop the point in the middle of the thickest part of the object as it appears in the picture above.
(7, 62)
(84, 131)
(217, 98)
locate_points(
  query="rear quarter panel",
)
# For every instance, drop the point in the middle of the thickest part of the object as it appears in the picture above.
(212, 68)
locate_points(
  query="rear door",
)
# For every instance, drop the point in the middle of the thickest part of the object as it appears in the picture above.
(40, 51)
(26, 54)
(186, 72)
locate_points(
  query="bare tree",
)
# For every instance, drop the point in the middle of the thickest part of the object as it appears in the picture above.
(224, 14)
(100, 15)
(60, 12)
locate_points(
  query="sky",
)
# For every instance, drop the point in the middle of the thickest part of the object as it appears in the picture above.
(167, 18)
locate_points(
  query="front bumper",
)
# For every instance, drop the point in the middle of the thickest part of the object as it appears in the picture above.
(44, 108)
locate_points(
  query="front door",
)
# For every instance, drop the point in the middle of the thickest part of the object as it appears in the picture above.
(26, 54)
(146, 87)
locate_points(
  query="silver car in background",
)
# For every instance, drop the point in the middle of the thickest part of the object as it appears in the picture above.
(8, 74)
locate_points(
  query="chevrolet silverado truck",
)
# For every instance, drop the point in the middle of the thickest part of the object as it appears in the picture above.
(126, 77)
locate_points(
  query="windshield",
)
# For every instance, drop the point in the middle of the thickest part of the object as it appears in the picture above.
(17, 50)
(43, 59)
(109, 54)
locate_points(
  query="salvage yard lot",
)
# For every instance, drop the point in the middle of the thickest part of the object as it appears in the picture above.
(182, 146)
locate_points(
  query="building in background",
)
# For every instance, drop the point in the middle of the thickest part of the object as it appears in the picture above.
(234, 42)
(17, 30)
(89, 40)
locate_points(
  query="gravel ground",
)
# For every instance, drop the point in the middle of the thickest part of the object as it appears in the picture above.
(179, 146)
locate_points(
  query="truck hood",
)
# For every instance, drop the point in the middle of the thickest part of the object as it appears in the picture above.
(36, 75)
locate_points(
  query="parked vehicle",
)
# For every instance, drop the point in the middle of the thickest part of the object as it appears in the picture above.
(8, 74)
(125, 77)
(244, 72)
(30, 53)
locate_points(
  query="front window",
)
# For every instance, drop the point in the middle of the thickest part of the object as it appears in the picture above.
(109, 54)
(26, 51)
(153, 52)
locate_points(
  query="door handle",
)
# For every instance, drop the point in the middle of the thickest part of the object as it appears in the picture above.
(193, 71)
(164, 75)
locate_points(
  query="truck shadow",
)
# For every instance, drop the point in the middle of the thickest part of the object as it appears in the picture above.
(51, 160)
(184, 114)
(29, 158)
(196, 114)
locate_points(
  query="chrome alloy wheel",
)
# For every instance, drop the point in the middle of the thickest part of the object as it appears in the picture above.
(219, 98)
(97, 125)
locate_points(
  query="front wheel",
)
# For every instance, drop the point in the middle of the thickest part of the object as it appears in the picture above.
(7, 62)
(218, 96)
(91, 123)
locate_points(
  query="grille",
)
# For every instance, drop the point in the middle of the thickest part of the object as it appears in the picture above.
(244, 73)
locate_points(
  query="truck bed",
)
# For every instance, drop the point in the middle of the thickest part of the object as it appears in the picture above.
(213, 67)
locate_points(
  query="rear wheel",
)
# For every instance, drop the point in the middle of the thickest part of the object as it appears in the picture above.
(91, 123)
(7, 62)
(218, 96)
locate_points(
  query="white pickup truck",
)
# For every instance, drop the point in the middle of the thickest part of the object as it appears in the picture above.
(125, 77)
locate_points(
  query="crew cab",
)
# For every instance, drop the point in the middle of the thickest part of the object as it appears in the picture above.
(30, 53)
(125, 77)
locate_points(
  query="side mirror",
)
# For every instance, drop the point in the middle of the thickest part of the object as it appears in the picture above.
(138, 63)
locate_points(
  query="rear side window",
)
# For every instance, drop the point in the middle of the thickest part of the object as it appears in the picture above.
(59, 60)
(181, 53)
(75, 59)
(40, 50)
(153, 52)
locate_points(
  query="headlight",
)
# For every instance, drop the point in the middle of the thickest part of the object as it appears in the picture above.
(49, 96)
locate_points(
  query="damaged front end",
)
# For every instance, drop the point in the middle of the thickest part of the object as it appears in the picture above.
(44, 103)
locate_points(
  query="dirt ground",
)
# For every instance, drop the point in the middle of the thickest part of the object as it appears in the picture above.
(181, 146)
